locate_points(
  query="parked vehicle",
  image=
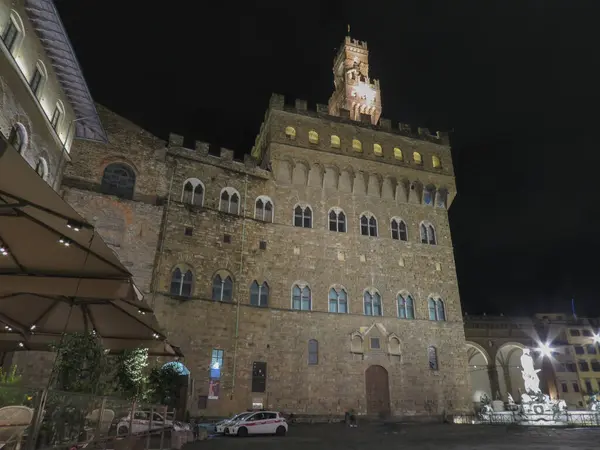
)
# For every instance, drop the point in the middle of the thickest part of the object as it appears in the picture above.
(141, 423)
(263, 422)
(223, 424)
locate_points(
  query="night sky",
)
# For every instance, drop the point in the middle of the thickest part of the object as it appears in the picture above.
(516, 80)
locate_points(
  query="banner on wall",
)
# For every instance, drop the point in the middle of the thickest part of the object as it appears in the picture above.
(214, 387)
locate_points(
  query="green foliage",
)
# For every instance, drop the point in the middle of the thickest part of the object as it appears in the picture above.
(81, 364)
(10, 391)
(130, 377)
(164, 384)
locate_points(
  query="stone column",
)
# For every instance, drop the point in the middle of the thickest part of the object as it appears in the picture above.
(507, 379)
(494, 383)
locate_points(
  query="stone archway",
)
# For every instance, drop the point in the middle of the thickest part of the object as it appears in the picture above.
(508, 367)
(479, 372)
(378, 391)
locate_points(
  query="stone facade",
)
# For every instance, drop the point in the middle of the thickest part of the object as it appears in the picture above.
(160, 228)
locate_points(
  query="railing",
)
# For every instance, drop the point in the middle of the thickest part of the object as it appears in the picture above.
(34, 419)
(567, 419)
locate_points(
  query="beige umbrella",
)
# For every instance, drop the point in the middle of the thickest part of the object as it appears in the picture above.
(56, 273)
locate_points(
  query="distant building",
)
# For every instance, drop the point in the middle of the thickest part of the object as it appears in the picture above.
(314, 277)
(44, 99)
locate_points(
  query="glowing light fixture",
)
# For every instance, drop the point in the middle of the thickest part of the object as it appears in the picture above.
(75, 226)
(597, 338)
(64, 241)
(155, 335)
(3, 249)
(21, 345)
(32, 327)
(545, 349)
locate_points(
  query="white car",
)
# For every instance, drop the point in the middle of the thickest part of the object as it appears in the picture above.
(263, 422)
(223, 424)
(141, 423)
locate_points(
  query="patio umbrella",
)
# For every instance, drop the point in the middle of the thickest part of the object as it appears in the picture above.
(56, 273)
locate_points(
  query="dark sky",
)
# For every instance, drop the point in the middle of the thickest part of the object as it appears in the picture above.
(516, 80)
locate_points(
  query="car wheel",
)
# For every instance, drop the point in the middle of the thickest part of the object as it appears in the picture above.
(280, 431)
(122, 430)
(242, 432)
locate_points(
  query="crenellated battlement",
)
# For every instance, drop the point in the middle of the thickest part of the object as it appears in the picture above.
(277, 102)
(225, 158)
(356, 43)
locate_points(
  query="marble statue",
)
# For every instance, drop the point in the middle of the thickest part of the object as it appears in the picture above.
(529, 373)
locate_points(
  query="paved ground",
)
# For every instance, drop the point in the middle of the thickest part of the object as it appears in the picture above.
(423, 437)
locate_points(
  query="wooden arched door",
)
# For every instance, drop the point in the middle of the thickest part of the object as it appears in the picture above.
(378, 391)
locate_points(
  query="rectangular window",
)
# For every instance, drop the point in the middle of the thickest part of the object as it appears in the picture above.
(579, 350)
(216, 363)
(591, 349)
(375, 343)
(36, 81)
(587, 333)
(575, 387)
(313, 352)
(189, 231)
(583, 365)
(588, 386)
(263, 245)
(574, 332)
(55, 118)
(259, 376)
(571, 367)
(564, 387)
(227, 238)
(10, 35)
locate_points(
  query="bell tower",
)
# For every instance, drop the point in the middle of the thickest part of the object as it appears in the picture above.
(354, 90)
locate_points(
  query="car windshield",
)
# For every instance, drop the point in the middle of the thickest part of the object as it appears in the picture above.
(241, 416)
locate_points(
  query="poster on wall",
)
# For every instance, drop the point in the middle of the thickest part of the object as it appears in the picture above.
(214, 387)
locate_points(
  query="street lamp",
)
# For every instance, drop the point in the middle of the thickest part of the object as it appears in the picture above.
(545, 349)
(596, 338)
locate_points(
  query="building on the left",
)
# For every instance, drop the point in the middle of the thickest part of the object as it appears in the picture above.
(44, 99)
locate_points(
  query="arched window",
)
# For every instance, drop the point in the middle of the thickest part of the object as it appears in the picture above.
(38, 79)
(263, 209)
(368, 225)
(433, 359)
(313, 352)
(119, 180)
(427, 234)
(357, 145)
(193, 192)
(428, 195)
(335, 141)
(436, 309)
(14, 32)
(417, 158)
(398, 154)
(230, 201)
(406, 306)
(57, 115)
(301, 298)
(399, 231)
(435, 161)
(259, 294)
(441, 198)
(303, 217)
(372, 303)
(222, 288)
(338, 301)
(41, 168)
(18, 137)
(313, 137)
(377, 150)
(290, 132)
(337, 221)
(181, 282)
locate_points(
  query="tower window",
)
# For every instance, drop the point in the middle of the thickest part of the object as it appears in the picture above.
(406, 306)
(337, 221)
(301, 298)
(398, 154)
(313, 137)
(259, 294)
(435, 161)
(368, 225)
(119, 180)
(417, 158)
(222, 289)
(372, 304)
(193, 192)
(335, 141)
(427, 234)
(433, 359)
(189, 231)
(263, 209)
(428, 195)
(437, 311)
(303, 217)
(230, 201)
(290, 132)
(399, 230)
(377, 150)
(313, 352)
(181, 282)
(338, 301)
(357, 145)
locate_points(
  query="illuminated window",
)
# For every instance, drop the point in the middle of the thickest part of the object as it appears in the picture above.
(290, 132)
(428, 195)
(417, 158)
(57, 115)
(38, 79)
(436, 162)
(335, 141)
(436, 309)
(356, 145)
(13, 33)
(313, 137)
(398, 154)
(377, 150)
(181, 282)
